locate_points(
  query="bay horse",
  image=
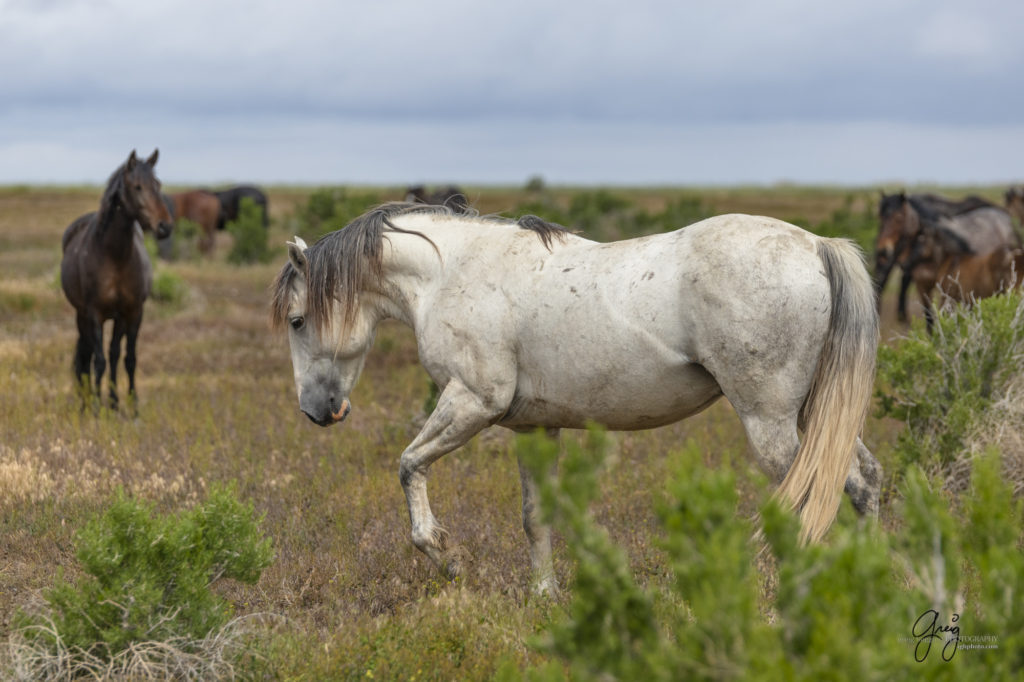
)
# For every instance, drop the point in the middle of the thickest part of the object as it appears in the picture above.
(947, 264)
(203, 208)
(526, 325)
(231, 199)
(981, 225)
(106, 273)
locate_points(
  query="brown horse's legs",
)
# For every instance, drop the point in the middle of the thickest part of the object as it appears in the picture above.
(129, 359)
(115, 356)
(83, 356)
(901, 303)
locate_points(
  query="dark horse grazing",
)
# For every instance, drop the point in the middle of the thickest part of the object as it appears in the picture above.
(450, 196)
(231, 199)
(106, 273)
(981, 227)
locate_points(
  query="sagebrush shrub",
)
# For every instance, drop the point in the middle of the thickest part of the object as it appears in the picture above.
(329, 209)
(250, 235)
(148, 577)
(168, 287)
(864, 606)
(943, 384)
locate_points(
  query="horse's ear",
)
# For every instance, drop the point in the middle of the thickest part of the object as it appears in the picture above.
(132, 160)
(151, 161)
(297, 254)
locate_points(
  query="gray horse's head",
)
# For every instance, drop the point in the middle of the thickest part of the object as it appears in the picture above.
(327, 354)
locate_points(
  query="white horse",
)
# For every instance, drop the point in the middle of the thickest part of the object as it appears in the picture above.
(525, 325)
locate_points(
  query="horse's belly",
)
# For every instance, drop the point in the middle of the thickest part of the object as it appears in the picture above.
(640, 400)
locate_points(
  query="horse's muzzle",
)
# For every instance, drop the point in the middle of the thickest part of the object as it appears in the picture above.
(163, 230)
(326, 414)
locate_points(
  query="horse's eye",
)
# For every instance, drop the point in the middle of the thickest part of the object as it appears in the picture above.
(297, 323)
(138, 188)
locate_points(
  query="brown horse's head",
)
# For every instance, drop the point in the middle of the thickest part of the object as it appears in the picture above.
(140, 194)
(898, 227)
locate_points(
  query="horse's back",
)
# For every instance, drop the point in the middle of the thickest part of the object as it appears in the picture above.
(984, 229)
(77, 227)
(665, 323)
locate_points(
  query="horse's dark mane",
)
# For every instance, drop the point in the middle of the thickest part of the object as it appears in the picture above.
(932, 207)
(948, 240)
(339, 263)
(111, 196)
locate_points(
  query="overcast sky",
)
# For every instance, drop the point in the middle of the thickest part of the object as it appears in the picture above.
(579, 92)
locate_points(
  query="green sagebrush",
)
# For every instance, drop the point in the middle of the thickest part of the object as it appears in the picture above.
(942, 384)
(250, 235)
(842, 610)
(168, 288)
(329, 209)
(148, 577)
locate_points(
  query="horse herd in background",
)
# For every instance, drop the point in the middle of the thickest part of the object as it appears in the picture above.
(966, 249)
(211, 211)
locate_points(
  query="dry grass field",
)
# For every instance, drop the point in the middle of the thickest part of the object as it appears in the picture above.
(347, 596)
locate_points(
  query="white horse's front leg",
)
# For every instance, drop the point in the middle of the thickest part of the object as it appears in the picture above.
(460, 414)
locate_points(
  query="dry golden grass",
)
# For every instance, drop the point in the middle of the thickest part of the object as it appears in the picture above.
(217, 403)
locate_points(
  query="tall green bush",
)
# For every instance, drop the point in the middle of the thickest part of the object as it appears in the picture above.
(942, 384)
(868, 605)
(250, 235)
(147, 577)
(331, 208)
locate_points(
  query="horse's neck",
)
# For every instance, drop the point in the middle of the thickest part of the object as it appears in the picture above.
(414, 267)
(116, 230)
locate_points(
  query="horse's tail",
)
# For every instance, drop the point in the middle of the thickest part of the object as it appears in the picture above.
(837, 402)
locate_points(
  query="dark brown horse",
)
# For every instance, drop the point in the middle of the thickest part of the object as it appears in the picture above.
(450, 196)
(981, 225)
(946, 263)
(106, 273)
(231, 199)
(204, 209)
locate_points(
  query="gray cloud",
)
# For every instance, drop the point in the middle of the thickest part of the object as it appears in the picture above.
(103, 66)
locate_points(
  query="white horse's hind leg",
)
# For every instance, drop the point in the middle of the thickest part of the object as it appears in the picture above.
(537, 532)
(864, 485)
(774, 441)
(459, 415)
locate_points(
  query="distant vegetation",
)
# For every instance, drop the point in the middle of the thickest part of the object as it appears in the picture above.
(250, 236)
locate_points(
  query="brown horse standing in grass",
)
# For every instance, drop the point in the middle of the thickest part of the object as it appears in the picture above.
(202, 208)
(106, 273)
(961, 275)
(978, 226)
